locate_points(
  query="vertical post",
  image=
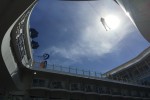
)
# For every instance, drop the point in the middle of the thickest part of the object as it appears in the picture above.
(61, 68)
(69, 69)
(53, 66)
(95, 74)
(89, 73)
(83, 71)
(101, 76)
(76, 71)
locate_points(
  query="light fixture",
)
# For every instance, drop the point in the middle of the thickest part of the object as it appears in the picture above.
(34, 73)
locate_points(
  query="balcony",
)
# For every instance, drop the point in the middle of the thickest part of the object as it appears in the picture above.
(85, 88)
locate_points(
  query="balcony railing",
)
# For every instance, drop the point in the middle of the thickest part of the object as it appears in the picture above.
(87, 88)
(69, 70)
(84, 73)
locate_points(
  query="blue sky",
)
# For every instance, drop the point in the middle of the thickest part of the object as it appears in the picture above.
(71, 32)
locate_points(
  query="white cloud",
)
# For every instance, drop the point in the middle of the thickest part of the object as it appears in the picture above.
(93, 41)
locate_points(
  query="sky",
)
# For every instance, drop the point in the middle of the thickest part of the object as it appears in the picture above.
(71, 32)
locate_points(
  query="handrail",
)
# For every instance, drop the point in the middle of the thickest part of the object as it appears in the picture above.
(69, 70)
(85, 73)
(99, 91)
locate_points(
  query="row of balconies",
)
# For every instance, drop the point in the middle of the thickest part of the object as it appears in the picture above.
(137, 79)
(120, 77)
(88, 88)
(132, 81)
(134, 73)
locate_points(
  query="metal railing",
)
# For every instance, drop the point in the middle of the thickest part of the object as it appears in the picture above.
(88, 88)
(84, 73)
(73, 71)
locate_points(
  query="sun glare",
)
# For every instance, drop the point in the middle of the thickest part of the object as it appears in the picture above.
(112, 21)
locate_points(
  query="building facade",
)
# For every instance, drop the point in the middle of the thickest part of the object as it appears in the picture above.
(24, 79)
(135, 70)
(138, 12)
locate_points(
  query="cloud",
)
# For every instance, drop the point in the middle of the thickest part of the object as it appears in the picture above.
(72, 31)
(92, 42)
